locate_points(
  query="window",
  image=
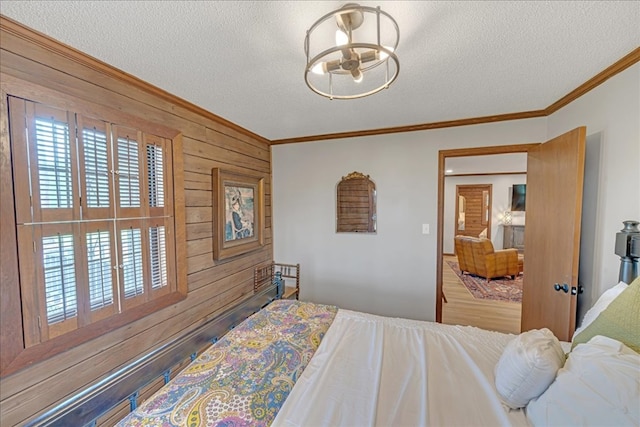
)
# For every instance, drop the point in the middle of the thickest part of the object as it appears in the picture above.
(94, 224)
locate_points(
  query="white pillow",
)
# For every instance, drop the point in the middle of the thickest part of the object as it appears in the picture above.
(599, 385)
(602, 303)
(527, 366)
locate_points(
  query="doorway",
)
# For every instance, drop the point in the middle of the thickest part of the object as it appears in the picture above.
(555, 177)
(473, 210)
(443, 156)
(477, 194)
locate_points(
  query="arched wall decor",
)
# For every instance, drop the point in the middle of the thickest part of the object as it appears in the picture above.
(356, 204)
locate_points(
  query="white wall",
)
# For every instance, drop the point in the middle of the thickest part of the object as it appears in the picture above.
(501, 201)
(392, 272)
(611, 113)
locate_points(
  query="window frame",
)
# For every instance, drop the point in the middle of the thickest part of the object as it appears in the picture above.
(16, 351)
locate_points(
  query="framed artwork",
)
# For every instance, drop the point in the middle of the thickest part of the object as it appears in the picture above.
(238, 213)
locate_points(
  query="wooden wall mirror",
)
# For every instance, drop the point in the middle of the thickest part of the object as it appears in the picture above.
(356, 204)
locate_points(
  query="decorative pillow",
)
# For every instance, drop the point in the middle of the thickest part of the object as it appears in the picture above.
(599, 386)
(620, 320)
(602, 303)
(527, 366)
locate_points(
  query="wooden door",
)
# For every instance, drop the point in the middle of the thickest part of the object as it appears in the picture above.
(473, 210)
(555, 175)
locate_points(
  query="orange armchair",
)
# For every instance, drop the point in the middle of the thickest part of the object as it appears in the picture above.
(477, 256)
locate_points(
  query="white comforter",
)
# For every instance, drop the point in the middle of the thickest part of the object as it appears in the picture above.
(377, 371)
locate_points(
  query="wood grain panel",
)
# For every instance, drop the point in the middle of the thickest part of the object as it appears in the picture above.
(232, 144)
(113, 416)
(207, 152)
(195, 214)
(199, 246)
(39, 47)
(199, 231)
(198, 308)
(34, 67)
(210, 275)
(198, 198)
(473, 209)
(15, 67)
(197, 181)
(200, 262)
(11, 339)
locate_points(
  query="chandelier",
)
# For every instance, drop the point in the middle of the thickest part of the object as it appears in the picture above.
(351, 52)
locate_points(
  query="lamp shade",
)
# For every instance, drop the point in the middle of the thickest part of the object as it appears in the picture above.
(507, 217)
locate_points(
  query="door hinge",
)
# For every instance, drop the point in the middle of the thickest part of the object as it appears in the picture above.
(39, 323)
(34, 247)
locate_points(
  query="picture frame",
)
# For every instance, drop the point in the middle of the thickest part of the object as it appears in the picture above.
(238, 213)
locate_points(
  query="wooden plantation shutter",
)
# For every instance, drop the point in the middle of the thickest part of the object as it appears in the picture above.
(59, 254)
(159, 201)
(53, 163)
(132, 262)
(101, 277)
(129, 173)
(98, 221)
(94, 141)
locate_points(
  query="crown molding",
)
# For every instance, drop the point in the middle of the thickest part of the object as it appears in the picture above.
(619, 66)
(56, 47)
(413, 128)
(17, 29)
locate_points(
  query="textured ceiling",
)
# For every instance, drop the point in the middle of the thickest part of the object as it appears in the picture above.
(244, 60)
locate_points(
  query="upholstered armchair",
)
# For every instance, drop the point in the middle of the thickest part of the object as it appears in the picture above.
(477, 256)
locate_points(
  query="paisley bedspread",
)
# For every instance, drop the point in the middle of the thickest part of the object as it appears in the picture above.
(245, 377)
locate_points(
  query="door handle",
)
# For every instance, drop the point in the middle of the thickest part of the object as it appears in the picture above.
(564, 287)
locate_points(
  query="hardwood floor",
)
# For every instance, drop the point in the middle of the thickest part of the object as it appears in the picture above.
(462, 308)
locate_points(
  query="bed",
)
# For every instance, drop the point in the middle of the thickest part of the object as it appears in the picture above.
(303, 364)
(293, 364)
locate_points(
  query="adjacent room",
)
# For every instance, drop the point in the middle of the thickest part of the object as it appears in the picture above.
(319, 213)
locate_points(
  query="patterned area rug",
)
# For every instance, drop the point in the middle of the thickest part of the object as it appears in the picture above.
(498, 289)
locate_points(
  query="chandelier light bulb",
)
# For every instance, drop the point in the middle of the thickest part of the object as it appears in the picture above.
(357, 75)
(320, 68)
(341, 37)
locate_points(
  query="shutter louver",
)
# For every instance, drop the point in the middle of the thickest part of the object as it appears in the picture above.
(96, 168)
(129, 173)
(133, 281)
(155, 176)
(53, 149)
(99, 263)
(158, 252)
(59, 277)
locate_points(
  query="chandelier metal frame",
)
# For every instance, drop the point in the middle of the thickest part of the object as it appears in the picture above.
(358, 57)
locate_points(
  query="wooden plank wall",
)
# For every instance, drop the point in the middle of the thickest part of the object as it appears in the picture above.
(29, 59)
